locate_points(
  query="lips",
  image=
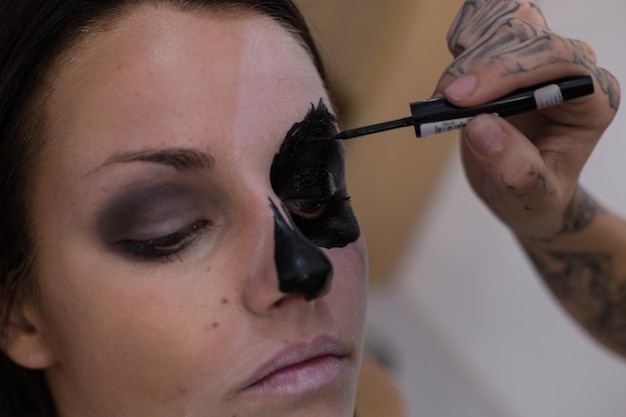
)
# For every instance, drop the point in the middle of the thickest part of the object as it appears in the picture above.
(301, 368)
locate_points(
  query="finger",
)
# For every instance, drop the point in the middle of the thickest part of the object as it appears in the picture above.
(510, 175)
(610, 88)
(462, 21)
(585, 51)
(508, 48)
(515, 58)
(478, 19)
(585, 56)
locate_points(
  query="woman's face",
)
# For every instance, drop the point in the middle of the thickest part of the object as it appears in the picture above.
(156, 222)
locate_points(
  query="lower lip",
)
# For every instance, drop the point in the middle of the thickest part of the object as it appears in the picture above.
(302, 377)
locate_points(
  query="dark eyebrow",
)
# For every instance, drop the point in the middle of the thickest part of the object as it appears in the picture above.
(180, 159)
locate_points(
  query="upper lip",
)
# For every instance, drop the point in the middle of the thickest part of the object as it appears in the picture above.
(299, 353)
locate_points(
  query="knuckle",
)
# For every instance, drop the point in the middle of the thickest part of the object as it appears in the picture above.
(611, 88)
(525, 184)
(522, 30)
(460, 44)
(585, 50)
(491, 21)
(616, 86)
(529, 10)
(464, 21)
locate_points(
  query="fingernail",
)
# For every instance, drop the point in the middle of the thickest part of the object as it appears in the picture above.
(485, 135)
(461, 88)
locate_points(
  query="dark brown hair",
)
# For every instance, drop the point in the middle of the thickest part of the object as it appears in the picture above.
(33, 35)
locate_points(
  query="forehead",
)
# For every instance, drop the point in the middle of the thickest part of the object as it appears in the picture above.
(162, 77)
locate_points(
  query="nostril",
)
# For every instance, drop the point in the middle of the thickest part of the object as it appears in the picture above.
(301, 266)
(309, 274)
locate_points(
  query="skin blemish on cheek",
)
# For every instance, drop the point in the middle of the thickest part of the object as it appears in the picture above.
(301, 266)
(210, 327)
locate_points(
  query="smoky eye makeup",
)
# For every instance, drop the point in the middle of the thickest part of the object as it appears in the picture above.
(151, 220)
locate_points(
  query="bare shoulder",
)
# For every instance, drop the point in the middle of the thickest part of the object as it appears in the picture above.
(377, 393)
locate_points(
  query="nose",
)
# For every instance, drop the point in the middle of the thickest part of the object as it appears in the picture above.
(301, 267)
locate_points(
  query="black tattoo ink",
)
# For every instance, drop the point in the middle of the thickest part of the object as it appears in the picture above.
(585, 282)
(515, 45)
(496, 32)
(301, 266)
(477, 19)
(580, 213)
(587, 286)
(605, 80)
(540, 186)
(468, 11)
(309, 169)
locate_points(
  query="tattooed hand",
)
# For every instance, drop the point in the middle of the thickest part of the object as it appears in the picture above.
(526, 169)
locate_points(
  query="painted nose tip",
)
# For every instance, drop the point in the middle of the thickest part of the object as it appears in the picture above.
(301, 266)
(308, 273)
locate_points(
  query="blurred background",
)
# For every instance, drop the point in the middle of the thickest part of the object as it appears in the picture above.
(456, 311)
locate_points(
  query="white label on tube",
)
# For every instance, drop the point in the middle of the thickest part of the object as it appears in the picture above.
(548, 96)
(429, 129)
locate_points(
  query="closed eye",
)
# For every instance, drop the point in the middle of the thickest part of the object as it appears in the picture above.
(162, 247)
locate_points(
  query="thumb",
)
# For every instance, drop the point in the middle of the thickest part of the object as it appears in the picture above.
(509, 174)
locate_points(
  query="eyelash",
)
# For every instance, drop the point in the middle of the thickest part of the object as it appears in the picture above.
(164, 247)
(312, 208)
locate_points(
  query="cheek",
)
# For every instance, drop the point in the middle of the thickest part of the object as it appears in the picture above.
(352, 257)
(349, 291)
(149, 334)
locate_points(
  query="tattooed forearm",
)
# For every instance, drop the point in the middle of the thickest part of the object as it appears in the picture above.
(585, 282)
(587, 286)
(565, 232)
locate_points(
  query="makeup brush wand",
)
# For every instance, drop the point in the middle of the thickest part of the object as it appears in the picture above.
(438, 115)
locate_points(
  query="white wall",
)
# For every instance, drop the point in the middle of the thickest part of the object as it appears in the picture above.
(488, 334)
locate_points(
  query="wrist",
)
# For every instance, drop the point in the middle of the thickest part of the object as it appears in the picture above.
(559, 225)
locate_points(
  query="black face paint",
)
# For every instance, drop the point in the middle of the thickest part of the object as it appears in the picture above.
(309, 170)
(308, 175)
(301, 266)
